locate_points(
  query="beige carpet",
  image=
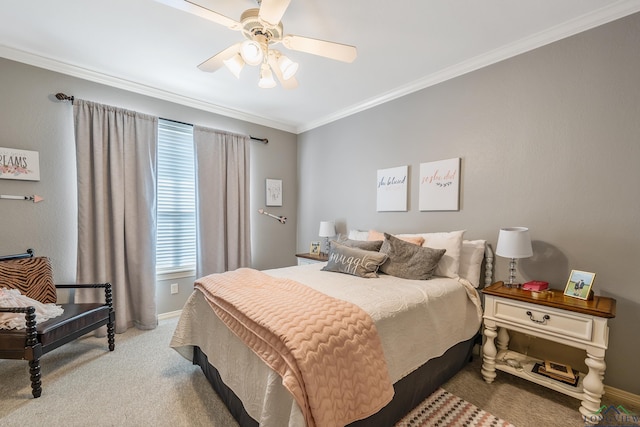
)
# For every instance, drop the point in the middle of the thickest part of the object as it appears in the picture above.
(521, 402)
(145, 383)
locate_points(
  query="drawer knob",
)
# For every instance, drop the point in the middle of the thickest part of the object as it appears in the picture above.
(542, 322)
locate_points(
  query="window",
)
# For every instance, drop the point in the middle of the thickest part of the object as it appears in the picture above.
(176, 246)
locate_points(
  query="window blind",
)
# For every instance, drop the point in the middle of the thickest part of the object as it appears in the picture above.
(176, 214)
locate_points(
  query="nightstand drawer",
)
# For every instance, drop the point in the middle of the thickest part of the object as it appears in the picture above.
(536, 317)
(304, 259)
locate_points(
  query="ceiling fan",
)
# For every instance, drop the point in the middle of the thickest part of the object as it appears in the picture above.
(262, 29)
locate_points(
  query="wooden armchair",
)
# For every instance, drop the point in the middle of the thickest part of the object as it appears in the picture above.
(33, 277)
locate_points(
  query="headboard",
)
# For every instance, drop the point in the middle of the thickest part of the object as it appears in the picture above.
(487, 265)
(475, 257)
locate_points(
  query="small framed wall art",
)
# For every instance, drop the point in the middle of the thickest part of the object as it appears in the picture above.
(273, 195)
(579, 284)
(19, 164)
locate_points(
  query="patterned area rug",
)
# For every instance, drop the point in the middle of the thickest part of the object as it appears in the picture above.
(443, 409)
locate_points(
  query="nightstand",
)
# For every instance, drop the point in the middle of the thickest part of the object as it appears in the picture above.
(311, 259)
(553, 316)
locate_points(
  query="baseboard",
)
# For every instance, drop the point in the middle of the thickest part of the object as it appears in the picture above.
(169, 315)
(620, 396)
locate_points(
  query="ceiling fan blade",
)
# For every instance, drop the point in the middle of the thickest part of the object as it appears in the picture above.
(271, 11)
(337, 51)
(290, 83)
(195, 9)
(215, 62)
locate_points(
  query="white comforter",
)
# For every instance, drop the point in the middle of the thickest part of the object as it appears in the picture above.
(417, 320)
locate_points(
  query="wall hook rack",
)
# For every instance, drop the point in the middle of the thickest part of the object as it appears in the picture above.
(282, 219)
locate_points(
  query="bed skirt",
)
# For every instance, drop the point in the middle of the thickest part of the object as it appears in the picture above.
(409, 391)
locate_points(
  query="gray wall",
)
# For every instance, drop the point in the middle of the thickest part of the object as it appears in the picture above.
(549, 140)
(32, 119)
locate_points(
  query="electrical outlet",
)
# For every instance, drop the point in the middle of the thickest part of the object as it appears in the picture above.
(174, 288)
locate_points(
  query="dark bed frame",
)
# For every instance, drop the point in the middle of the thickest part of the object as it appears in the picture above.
(409, 391)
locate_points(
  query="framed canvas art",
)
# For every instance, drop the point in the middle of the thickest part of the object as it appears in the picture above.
(392, 189)
(440, 185)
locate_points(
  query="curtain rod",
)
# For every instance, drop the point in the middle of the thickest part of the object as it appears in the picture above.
(255, 138)
(62, 97)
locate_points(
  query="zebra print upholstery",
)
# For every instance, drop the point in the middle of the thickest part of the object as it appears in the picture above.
(33, 277)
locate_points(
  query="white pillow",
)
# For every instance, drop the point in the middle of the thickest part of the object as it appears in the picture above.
(471, 260)
(358, 235)
(449, 264)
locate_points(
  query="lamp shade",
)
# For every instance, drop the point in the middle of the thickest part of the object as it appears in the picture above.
(514, 242)
(327, 229)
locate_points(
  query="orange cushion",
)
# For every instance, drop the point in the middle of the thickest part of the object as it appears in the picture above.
(416, 240)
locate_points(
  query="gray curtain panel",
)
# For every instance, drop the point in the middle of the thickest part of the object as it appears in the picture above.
(116, 164)
(222, 201)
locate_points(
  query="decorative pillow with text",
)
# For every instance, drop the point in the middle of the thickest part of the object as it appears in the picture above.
(354, 261)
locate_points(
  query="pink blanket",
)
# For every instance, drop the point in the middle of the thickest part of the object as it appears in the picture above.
(327, 350)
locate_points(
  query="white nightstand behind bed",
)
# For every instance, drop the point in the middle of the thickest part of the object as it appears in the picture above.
(310, 258)
(553, 316)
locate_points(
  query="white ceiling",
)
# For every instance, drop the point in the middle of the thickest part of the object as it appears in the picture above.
(403, 46)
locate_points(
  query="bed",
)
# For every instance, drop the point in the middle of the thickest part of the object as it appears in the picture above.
(426, 328)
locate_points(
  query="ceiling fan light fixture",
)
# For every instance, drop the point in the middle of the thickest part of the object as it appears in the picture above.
(235, 64)
(251, 52)
(262, 30)
(266, 77)
(288, 68)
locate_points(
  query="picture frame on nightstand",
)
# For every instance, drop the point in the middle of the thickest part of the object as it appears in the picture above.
(559, 369)
(314, 248)
(580, 284)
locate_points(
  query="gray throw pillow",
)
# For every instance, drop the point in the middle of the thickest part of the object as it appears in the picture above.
(355, 261)
(367, 245)
(407, 260)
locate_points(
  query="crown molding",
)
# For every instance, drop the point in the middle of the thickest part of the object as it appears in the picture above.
(602, 16)
(97, 77)
(577, 25)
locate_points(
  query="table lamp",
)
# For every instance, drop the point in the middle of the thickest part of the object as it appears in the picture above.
(327, 229)
(514, 243)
